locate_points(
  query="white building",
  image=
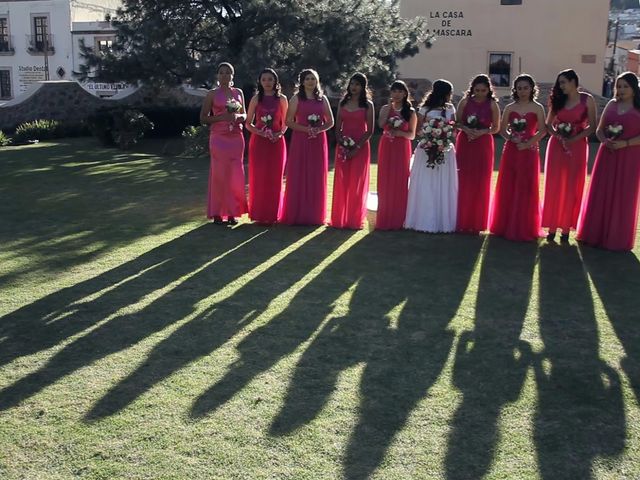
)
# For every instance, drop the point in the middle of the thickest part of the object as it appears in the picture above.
(506, 37)
(37, 43)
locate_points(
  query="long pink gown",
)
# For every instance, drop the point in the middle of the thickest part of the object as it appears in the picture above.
(475, 167)
(226, 195)
(266, 164)
(515, 213)
(394, 155)
(610, 214)
(305, 198)
(565, 172)
(351, 176)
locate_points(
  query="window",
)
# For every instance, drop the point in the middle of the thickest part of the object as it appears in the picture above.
(5, 84)
(41, 37)
(510, 2)
(104, 45)
(500, 69)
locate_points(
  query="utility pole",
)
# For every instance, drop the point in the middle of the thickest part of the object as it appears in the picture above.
(615, 44)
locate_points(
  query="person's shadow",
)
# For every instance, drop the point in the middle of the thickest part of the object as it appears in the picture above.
(405, 289)
(491, 361)
(186, 271)
(209, 330)
(580, 412)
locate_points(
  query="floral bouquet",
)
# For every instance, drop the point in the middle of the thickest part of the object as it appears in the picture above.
(233, 106)
(267, 120)
(518, 126)
(565, 130)
(314, 121)
(346, 145)
(613, 131)
(394, 123)
(472, 121)
(437, 137)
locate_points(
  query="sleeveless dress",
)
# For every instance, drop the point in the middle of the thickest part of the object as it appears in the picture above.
(610, 214)
(565, 172)
(475, 168)
(266, 164)
(515, 213)
(307, 164)
(226, 194)
(433, 192)
(351, 177)
(394, 154)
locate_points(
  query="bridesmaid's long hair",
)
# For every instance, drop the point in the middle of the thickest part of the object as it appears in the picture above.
(557, 99)
(439, 95)
(524, 77)
(365, 94)
(276, 85)
(632, 79)
(317, 92)
(407, 108)
(481, 79)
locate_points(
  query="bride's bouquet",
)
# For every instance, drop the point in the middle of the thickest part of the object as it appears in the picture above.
(437, 137)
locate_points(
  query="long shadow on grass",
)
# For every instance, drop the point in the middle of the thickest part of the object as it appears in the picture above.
(209, 330)
(406, 289)
(580, 407)
(491, 361)
(60, 203)
(616, 276)
(199, 266)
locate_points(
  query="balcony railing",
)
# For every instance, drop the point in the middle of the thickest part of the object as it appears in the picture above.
(6, 45)
(40, 44)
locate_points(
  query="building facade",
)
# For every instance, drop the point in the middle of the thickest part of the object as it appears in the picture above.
(507, 37)
(37, 43)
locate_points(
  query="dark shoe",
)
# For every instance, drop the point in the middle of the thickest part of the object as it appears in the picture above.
(232, 221)
(551, 236)
(217, 220)
(564, 238)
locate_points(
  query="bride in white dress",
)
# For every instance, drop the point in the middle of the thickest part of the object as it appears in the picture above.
(433, 192)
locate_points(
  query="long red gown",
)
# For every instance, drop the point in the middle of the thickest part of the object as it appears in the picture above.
(351, 176)
(305, 198)
(565, 172)
(226, 195)
(266, 164)
(475, 167)
(610, 214)
(515, 213)
(394, 155)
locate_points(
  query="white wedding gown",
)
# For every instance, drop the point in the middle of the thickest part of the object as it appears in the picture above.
(433, 192)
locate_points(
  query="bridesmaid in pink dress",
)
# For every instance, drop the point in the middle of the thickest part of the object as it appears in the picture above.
(267, 149)
(223, 109)
(515, 213)
(567, 154)
(610, 215)
(351, 176)
(479, 119)
(309, 116)
(398, 119)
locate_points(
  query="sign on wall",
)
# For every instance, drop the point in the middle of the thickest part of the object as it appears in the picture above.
(448, 23)
(28, 75)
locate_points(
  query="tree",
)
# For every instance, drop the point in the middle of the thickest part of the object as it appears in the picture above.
(171, 42)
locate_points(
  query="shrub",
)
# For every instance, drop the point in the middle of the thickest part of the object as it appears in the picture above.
(117, 126)
(196, 141)
(171, 121)
(36, 130)
(4, 139)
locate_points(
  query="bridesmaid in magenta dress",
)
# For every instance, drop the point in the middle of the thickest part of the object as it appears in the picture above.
(223, 109)
(398, 119)
(267, 149)
(610, 215)
(515, 213)
(571, 119)
(351, 176)
(479, 120)
(309, 116)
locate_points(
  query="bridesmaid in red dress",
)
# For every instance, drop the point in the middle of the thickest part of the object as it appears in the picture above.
(267, 149)
(479, 119)
(515, 213)
(309, 116)
(223, 109)
(398, 119)
(351, 177)
(610, 215)
(571, 119)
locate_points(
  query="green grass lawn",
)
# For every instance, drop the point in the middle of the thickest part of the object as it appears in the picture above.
(139, 341)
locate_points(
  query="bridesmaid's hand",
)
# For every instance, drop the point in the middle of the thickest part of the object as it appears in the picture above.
(618, 144)
(227, 117)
